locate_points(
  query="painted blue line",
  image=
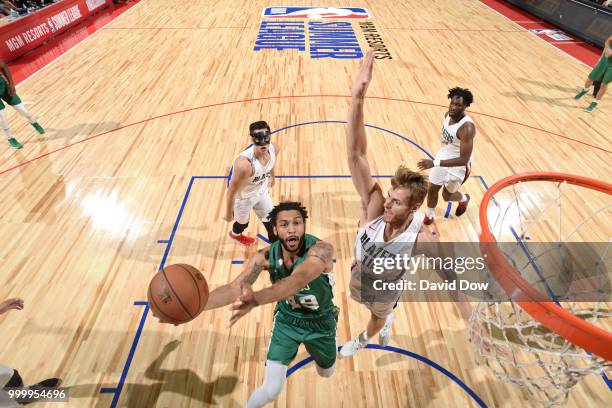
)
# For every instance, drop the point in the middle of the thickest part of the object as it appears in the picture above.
(403, 138)
(141, 303)
(176, 224)
(448, 208)
(229, 177)
(162, 241)
(410, 354)
(607, 380)
(264, 239)
(105, 390)
(482, 180)
(208, 177)
(128, 362)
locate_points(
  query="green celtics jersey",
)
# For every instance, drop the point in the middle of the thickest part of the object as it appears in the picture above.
(312, 302)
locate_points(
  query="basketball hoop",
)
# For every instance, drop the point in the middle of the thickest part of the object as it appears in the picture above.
(568, 339)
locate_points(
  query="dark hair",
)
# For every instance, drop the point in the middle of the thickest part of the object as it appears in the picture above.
(287, 206)
(464, 93)
(261, 124)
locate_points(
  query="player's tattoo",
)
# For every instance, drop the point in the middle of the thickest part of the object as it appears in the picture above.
(323, 251)
(253, 274)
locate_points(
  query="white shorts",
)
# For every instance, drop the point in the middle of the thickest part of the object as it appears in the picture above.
(450, 177)
(5, 375)
(262, 204)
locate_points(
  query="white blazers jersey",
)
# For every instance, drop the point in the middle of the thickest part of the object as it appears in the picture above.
(451, 145)
(258, 181)
(370, 245)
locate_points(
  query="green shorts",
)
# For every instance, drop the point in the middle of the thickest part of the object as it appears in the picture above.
(602, 71)
(318, 336)
(4, 94)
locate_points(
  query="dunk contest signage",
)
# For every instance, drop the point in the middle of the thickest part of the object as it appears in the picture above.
(283, 28)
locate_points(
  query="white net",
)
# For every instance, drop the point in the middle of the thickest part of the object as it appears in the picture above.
(557, 236)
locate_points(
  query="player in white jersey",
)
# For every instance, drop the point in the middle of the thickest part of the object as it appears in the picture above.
(452, 164)
(387, 227)
(252, 173)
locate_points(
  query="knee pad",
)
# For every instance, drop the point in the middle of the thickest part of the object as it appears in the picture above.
(237, 228)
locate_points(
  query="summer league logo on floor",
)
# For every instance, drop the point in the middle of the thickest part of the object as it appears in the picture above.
(281, 30)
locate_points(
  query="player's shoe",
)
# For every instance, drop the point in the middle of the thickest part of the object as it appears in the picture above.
(427, 220)
(14, 143)
(462, 206)
(352, 347)
(580, 94)
(385, 333)
(38, 128)
(591, 108)
(242, 239)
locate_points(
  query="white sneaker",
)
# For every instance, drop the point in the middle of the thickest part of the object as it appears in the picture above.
(352, 347)
(384, 337)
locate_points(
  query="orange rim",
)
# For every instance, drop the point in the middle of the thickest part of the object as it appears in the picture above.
(549, 314)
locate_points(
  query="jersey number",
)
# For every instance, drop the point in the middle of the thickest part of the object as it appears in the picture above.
(307, 301)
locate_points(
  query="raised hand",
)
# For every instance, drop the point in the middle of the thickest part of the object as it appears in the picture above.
(364, 76)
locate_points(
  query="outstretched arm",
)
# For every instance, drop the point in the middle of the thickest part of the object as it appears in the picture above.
(372, 199)
(226, 294)
(319, 259)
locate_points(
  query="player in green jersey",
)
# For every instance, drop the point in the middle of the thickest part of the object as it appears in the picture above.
(9, 95)
(602, 72)
(300, 268)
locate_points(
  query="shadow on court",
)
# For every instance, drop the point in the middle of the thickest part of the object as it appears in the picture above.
(82, 129)
(182, 381)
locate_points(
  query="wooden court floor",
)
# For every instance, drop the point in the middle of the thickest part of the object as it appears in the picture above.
(143, 121)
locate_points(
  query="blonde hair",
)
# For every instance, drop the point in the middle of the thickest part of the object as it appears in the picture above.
(416, 184)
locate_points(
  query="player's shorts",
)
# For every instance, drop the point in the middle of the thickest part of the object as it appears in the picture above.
(262, 204)
(381, 304)
(602, 71)
(4, 94)
(5, 375)
(450, 177)
(318, 336)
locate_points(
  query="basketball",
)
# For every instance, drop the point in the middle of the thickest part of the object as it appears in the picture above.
(178, 293)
